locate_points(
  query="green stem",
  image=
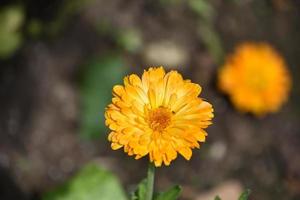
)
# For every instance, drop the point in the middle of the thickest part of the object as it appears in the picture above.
(150, 181)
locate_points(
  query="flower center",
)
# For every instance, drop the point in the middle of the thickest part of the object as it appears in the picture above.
(257, 83)
(159, 118)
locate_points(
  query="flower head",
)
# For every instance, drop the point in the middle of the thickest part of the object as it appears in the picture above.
(159, 115)
(256, 78)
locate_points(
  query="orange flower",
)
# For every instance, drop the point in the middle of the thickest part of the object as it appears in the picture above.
(159, 114)
(256, 78)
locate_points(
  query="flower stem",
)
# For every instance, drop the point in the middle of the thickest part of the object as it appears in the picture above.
(150, 181)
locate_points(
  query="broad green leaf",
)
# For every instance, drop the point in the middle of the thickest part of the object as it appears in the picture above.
(171, 194)
(98, 78)
(140, 192)
(217, 198)
(245, 195)
(91, 183)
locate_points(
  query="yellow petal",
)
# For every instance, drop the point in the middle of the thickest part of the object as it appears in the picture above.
(186, 153)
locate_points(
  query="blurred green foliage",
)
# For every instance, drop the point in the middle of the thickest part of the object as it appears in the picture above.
(203, 8)
(130, 40)
(244, 196)
(92, 182)
(217, 198)
(207, 14)
(171, 194)
(170, 2)
(61, 17)
(98, 78)
(140, 193)
(212, 41)
(11, 19)
(66, 11)
(34, 27)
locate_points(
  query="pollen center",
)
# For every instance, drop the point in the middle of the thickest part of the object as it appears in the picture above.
(159, 118)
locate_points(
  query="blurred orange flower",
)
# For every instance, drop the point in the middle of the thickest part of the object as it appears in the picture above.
(256, 78)
(159, 114)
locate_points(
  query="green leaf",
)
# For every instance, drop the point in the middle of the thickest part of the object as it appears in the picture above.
(98, 78)
(217, 198)
(92, 182)
(245, 195)
(140, 192)
(171, 194)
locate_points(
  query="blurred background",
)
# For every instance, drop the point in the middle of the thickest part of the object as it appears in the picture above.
(60, 58)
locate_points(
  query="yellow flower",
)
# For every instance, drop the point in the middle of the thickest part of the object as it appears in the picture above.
(159, 114)
(256, 79)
